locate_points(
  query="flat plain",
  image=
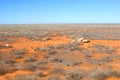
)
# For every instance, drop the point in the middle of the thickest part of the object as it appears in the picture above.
(60, 52)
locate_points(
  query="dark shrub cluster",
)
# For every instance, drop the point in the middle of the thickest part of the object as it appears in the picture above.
(103, 74)
(27, 66)
(51, 51)
(22, 51)
(53, 78)
(86, 52)
(9, 61)
(72, 46)
(19, 53)
(25, 77)
(3, 39)
(4, 46)
(60, 46)
(106, 59)
(40, 65)
(45, 49)
(55, 59)
(30, 59)
(104, 49)
(1, 54)
(40, 73)
(75, 74)
(4, 69)
(72, 63)
(37, 49)
(58, 71)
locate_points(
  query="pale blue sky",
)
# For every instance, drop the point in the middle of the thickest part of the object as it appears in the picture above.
(59, 11)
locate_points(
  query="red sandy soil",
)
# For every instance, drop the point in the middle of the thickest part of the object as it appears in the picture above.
(25, 43)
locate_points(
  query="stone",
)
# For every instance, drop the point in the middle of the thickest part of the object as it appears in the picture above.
(86, 41)
(46, 39)
(80, 39)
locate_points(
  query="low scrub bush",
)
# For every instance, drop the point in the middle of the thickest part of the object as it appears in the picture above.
(51, 51)
(55, 59)
(41, 65)
(75, 74)
(101, 74)
(1, 54)
(6, 69)
(40, 73)
(37, 49)
(72, 46)
(9, 61)
(19, 53)
(104, 49)
(53, 78)
(59, 71)
(4, 46)
(28, 67)
(72, 63)
(87, 52)
(3, 71)
(25, 77)
(3, 39)
(60, 46)
(30, 59)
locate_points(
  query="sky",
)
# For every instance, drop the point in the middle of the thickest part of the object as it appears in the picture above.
(59, 11)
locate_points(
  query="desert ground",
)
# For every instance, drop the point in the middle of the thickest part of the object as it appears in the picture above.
(60, 52)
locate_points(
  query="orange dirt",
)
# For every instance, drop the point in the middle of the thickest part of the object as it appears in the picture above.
(12, 75)
(24, 43)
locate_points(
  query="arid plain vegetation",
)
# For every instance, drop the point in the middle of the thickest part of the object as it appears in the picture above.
(60, 52)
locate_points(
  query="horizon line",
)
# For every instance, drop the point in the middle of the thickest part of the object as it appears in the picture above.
(52, 23)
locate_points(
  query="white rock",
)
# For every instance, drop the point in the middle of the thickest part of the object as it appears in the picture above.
(80, 39)
(46, 39)
(86, 41)
(6, 45)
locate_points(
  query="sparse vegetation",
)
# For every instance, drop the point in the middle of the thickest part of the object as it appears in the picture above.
(53, 52)
(9, 61)
(19, 52)
(104, 49)
(40, 73)
(30, 59)
(102, 74)
(41, 65)
(6, 69)
(59, 71)
(3, 71)
(72, 63)
(4, 46)
(25, 77)
(28, 67)
(86, 52)
(75, 74)
(3, 39)
(37, 49)
(53, 78)
(55, 59)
